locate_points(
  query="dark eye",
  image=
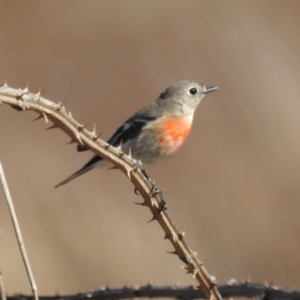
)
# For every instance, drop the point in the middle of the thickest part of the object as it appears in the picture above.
(193, 91)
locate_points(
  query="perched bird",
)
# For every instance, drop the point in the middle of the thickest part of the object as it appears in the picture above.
(156, 131)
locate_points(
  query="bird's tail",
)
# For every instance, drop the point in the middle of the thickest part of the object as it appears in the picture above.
(75, 175)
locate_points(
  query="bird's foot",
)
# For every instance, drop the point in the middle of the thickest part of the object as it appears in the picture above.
(156, 191)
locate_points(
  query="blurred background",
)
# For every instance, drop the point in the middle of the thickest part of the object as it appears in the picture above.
(233, 186)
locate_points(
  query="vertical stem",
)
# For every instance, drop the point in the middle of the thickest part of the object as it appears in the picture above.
(18, 232)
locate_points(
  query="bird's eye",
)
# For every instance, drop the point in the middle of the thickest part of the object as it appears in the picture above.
(193, 91)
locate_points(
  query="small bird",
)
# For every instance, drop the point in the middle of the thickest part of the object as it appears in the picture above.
(156, 131)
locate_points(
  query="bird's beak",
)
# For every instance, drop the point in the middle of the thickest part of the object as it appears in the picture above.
(209, 89)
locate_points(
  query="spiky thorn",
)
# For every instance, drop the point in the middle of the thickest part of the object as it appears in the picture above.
(173, 252)
(213, 282)
(81, 127)
(272, 285)
(79, 138)
(248, 280)
(201, 263)
(95, 137)
(38, 95)
(194, 253)
(194, 273)
(181, 235)
(24, 92)
(141, 203)
(27, 85)
(153, 219)
(188, 271)
(60, 106)
(52, 127)
(120, 146)
(4, 84)
(167, 237)
(71, 142)
(231, 282)
(45, 117)
(38, 118)
(94, 130)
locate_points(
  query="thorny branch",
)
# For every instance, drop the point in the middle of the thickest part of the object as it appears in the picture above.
(56, 112)
(230, 289)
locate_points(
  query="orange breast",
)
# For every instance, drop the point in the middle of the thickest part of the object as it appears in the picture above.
(174, 132)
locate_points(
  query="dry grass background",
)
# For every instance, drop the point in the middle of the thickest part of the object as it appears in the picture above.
(234, 185)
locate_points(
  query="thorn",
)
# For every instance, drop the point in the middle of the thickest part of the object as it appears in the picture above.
(79, 138)
(39, 117)
(37, 96)
(71, 142)
(141, 203)
(213, 282)
(113, 168)
(194, 273)
(172, 252)
(45, 117)
(120, 145)
(231, 282)
(188, 271)
(4, 83)
(81, 127)
(181, 235)
(27, 85)
(59, 106)
(70, 114)
(107, 146)
(129, 153)
(94, 130)
(166, 237)
(51, 127)
(153, 219)
(203, 262)
(20, 97)
(96, 137)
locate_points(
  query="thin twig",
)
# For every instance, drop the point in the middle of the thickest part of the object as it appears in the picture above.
(18, 232)
(2, 288)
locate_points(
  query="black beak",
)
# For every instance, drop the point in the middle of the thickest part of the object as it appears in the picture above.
(209, 89)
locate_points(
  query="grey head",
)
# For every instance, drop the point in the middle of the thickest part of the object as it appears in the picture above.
(183, 97)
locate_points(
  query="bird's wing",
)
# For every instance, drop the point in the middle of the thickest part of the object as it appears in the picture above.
(129, 130)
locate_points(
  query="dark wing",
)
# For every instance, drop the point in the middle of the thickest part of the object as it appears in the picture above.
(129, 130)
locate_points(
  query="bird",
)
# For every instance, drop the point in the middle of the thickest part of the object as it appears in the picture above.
(156, 131)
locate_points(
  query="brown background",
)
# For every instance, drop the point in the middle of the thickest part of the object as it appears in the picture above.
(233, 186)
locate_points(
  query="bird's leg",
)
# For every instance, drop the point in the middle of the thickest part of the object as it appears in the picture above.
(155, 191)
